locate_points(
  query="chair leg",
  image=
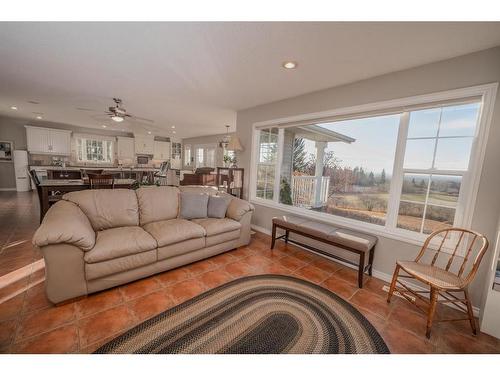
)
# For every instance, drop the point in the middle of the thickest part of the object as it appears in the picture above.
(432, 310)
(393, 284)
(287, 232)
(470, 313)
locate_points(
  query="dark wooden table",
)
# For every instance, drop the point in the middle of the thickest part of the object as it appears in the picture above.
(50, 187)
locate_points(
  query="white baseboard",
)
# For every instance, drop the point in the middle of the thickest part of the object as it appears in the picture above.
(378, 274)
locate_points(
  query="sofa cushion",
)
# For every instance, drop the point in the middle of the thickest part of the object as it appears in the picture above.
(117, 265)
(167, 232)
(118, 242)
(157, 203)
(217, 206)
(222, 237)
(180, 248)
(107, 208)
(193, 205)
(216, 226)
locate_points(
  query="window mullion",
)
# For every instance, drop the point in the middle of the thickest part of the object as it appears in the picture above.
(277, 170)
(397, 172)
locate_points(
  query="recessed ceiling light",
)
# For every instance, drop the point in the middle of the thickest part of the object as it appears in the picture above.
(173, 132)
(289, 65)
(13, 108)
(39, 117)
(149, 132)
(173, 126)
(104, 126)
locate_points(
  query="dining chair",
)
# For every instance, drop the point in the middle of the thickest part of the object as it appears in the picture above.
(101, 181)
(446, 264)
(52, 198)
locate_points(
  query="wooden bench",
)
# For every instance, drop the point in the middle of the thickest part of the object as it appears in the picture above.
(344, 242)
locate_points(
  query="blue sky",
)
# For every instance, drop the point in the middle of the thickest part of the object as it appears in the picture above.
(374, 146)
(376, 139)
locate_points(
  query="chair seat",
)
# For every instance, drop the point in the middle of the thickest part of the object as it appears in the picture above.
(434, 276)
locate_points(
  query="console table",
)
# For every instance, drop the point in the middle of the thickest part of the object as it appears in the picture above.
(230, 180)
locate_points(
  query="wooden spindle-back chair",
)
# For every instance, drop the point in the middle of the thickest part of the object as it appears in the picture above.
(101, 181)
(447, 266)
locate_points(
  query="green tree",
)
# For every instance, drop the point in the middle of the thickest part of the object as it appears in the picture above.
(371, 179)
(382, 177)
(285, 192)
(299, 155)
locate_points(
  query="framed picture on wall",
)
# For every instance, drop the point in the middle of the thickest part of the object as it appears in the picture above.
(6, 148)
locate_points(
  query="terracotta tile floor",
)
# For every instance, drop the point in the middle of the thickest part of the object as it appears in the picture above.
(29, 323)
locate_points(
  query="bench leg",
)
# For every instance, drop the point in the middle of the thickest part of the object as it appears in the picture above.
(361, 269)
(287, 232)
(273, 236)
(370, 261)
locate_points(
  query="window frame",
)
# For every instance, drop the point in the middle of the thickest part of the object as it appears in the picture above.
(80, 141)
(470, 182)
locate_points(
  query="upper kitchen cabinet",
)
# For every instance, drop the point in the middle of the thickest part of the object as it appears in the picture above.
(161, 150)
(126, 148)
(48, 141)
(144, 144)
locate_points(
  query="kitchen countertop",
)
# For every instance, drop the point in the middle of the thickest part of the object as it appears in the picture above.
(77, 168)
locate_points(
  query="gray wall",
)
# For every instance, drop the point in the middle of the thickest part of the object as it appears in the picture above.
(469, 70)
(12, 129)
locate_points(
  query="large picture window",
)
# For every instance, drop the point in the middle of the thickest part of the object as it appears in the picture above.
(404, 171)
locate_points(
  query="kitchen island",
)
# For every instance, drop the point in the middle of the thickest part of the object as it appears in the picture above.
(51, 188)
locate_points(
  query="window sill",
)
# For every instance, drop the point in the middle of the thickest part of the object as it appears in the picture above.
(395, 234)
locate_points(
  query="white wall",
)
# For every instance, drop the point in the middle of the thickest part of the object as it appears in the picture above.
(469, 70)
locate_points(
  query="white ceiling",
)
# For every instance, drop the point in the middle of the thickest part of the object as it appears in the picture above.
(195, 76)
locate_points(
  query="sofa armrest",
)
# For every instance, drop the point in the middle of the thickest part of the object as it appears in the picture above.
(237, 208)
(66, 223)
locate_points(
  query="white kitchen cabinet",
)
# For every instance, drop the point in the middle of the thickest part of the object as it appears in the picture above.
(126, 148)
(176, 153)
(48, 141)
(144, 144)
(161, 150)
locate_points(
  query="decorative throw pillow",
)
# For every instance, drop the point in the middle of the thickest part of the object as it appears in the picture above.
(217, 205)
(193, 205)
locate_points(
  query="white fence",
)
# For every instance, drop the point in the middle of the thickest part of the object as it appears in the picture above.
(307, 193)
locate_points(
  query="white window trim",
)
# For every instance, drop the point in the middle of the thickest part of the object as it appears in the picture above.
(486, 92)
(86, 136)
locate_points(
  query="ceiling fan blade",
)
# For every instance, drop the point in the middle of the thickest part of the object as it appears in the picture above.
(100, 117)
(141, 119)
(86, 109)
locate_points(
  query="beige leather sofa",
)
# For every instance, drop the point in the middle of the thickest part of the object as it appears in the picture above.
(96, 239)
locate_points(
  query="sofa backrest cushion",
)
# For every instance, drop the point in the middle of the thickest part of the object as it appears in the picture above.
(157, 203)
(107, 208)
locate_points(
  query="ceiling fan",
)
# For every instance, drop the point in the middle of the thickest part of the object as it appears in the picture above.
(116, 113)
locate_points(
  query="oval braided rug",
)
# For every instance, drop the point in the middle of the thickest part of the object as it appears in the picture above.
(255, 314)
